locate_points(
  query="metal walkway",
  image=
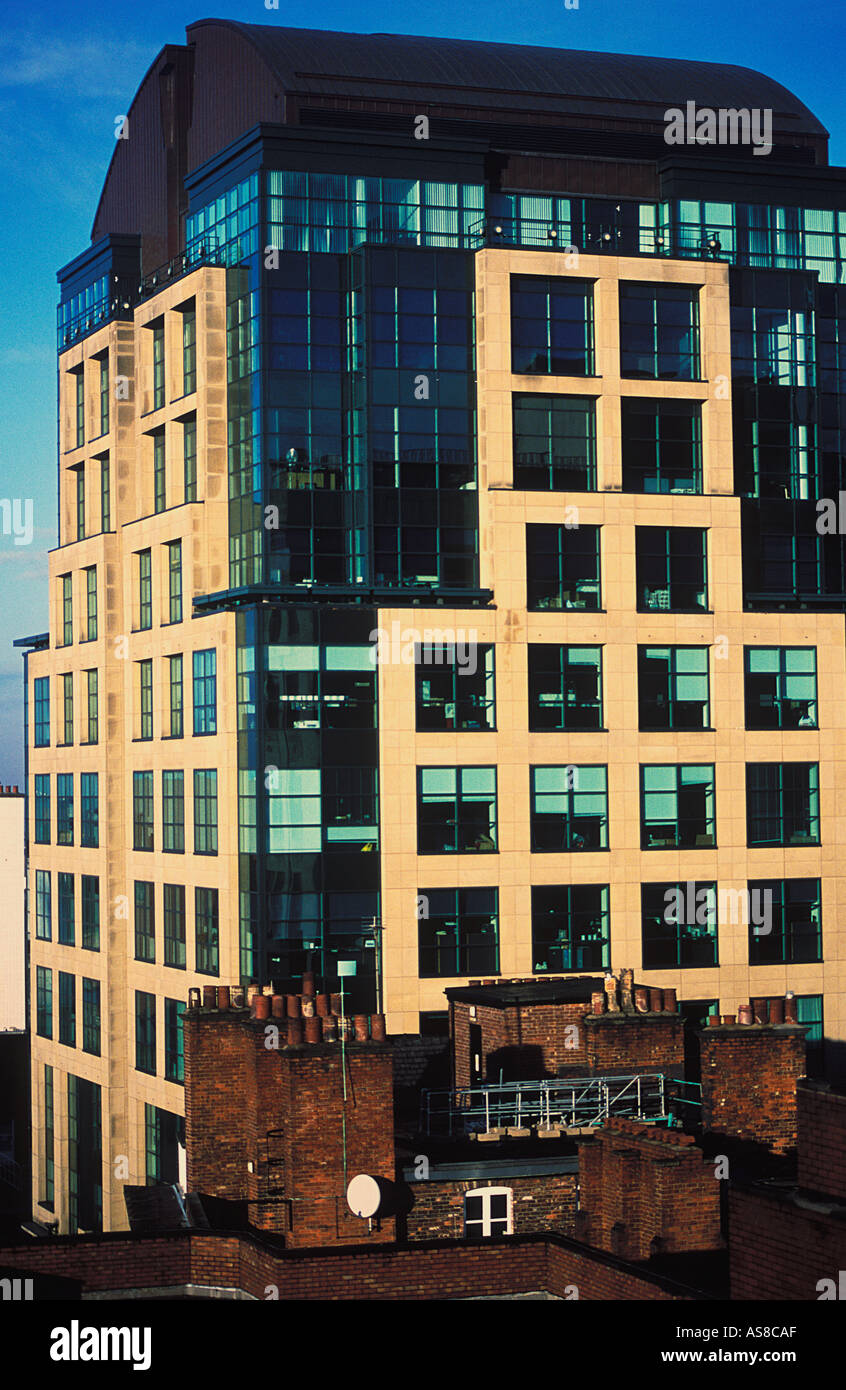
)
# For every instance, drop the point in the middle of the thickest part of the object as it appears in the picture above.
(570, 1103)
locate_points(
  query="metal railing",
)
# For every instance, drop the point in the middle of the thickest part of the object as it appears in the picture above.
(574, 1102)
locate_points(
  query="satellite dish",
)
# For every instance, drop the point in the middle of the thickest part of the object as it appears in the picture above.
(364, 1195)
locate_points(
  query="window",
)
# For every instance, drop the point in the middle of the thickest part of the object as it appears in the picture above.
(49, 1140)
(174, 576)
(145, 922)
(774, 455)
(42, 808)
(294, 811)
(555, 443)
(562, 567)
(454, 688)
(79, 473)
(312, 687)
(679, 924)
(158, 333)
(142, 810)
(672, 685)
(677, 807)
(67, 1009)
(456, 810)
(43, 1001)
(662, 446)
(460, 935)
(189, 350)
(145, 699)
(659, 331)
(565, 687)
(104, 396)
(205, 692)
(206, 931)
(91, 603)
(91, 1016)
(785, 921)
(782, 804)
(175, 687)
(164, 1142)
(89, 809)
(64, 808)
(671, 569)
(145, 1032)
(79, 405)
(189, 458)
(89, 886)
(569, 808)
(809, 1011)
(67, 708)
(159, 472)
(67, 610)
(92, 707)
(145, 590)
(105, 494)
(66, 915)
(205, 810)
(487, 1213)
(173, 812)
(174, 1050)
(174, 925)
(41, 706)
(570, 928)
(43, 906)
(772, 345)
(551, 326)
(781, 687)
(85, 1156)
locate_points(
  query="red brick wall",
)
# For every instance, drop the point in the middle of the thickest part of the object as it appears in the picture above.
(635, 1043)
(541, 1203)
(525, 1042)
(644, 1191)
(780, 1251)
(749, 1076)
(822, 1139)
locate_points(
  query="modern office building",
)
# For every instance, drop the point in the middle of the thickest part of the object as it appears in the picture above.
(441, 589)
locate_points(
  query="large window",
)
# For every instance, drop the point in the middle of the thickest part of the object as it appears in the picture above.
(785, 921)
(311, 687)
(89, 893)
(310, 810)
(104, 394)
(85, 1156)
(456, 809)
(142, 810)
(64, 808)
(562, 567)
(158, 333)
(145, 699)
(67, 1009)
(41, 707)
(92, 708)
(145, 1032)
(173, 812)
(174, 573)
(174, 925)
(205, 692)
(206, 922)
(781, 687)
(65, 902)
(91, 1016)
(554, 443)
(662, 446)
(105, 494)
(570, 928)
(145, 922)
(177, 723)
(679, 924)
(90, 603)
(79, 474)
(673, 687)
(78, 375)
(671, 569)
(67, 609)
(659, 331)
(42, 808)
(774, 455)
(773, 345)
(460, 934)
(49, 1142)
(174, 1048)
(145, 590)
(43, 906)
(205, 810)
(159, 472)
(454, 687)
(189, 349)
(569, 808)
(565, 687)
(89, 809)
(488, 1213)
(43, 1001)
(67, 708)
(189, 458)
(677, 807)
(551, 326)
(782, 804)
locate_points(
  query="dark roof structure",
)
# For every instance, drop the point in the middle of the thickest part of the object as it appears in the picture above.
(572, 989)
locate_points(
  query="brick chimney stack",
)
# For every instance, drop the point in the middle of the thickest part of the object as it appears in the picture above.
(749, 1075)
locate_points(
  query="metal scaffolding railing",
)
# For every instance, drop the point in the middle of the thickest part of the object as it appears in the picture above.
(571, 1103)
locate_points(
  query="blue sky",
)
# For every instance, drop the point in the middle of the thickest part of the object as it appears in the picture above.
(67, 72)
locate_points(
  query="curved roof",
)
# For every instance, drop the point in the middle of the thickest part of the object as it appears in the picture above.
(460, 70)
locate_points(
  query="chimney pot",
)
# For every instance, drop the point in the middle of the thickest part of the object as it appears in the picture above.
(262, 1006)
(323, 1006)
(791, 1009)
(745, 1014)
(209, 997)
(223, 996)
(729, 1018)
(252, 991)
(293, 1003)
(712, 1021)
(759, 1007)
(308, 983)
(313, 1030)
(656, 1000)
(295, 1031)
(335, 1000)
(597, 1002)
(641, 998)
(307, 1005)
(777, 1010)
(377, 1027)
(237, 996)
(193, 999)
(670, 1004)
(360, 1023)
(330, 1028)
(277, 1006)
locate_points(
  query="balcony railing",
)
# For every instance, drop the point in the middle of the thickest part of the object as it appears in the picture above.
(568, 1103)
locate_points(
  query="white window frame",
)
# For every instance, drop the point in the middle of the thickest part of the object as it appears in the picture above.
(483, 1227)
